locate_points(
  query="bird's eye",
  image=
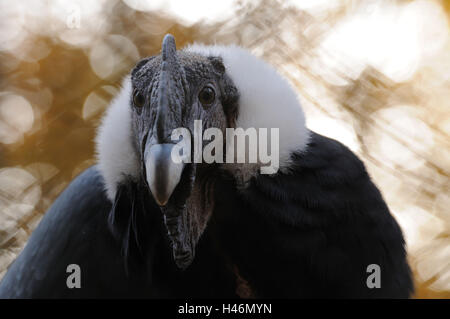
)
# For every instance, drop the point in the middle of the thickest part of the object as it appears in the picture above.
(138, 98)
(207, 96)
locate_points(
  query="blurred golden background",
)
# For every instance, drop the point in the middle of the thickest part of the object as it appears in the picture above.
(373, 74)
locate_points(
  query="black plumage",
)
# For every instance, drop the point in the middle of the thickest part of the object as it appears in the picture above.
(313, 232)
(84, 234)
(309, 233)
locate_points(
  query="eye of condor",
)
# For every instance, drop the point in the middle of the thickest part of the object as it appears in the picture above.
(207, 96)
(138, 98)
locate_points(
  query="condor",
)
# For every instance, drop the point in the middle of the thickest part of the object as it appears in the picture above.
(140, 225)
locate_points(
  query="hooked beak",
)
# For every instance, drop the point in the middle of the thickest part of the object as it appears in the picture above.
(162, 172)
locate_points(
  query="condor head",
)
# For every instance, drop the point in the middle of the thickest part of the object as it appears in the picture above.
(170, 92)
(165, 93)
(224, 87)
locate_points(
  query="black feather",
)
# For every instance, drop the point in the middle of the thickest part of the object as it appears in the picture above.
(314, 231)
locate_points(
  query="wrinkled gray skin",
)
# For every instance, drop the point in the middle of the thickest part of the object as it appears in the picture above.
(170, 85)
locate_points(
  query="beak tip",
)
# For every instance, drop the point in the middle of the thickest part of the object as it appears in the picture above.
(160, 196)
(163, 175)
(161, 201)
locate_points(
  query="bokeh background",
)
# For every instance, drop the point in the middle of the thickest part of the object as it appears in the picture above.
(373, 74)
